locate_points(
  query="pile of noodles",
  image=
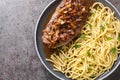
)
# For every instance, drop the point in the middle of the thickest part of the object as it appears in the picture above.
(95, 50)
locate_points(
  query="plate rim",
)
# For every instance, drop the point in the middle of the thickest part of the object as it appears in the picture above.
(38, 53)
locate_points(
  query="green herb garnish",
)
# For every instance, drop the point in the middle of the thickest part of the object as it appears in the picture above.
(113, 50)
(88, 53)
(82, 58)
(89, 70)
(102, 28)
(109, 38)
(119, 37)
(77, 46)
(82, 36)
(93, 57)
(107, 23)
(90, 64)
(90, 25)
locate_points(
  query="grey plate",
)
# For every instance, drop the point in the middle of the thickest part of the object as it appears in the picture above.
(44, 52)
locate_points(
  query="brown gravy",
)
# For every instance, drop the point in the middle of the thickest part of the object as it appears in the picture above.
(47, 50)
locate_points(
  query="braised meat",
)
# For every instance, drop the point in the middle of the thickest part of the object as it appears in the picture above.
(66, 22)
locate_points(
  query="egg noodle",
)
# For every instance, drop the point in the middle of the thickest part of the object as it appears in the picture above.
(94, 51)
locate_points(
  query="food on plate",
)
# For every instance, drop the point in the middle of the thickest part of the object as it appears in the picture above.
(94, 51)
(66, 22)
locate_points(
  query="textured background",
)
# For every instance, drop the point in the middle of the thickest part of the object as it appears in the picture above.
(18, 58)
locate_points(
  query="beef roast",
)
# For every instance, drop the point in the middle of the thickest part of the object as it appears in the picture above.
(66, 22)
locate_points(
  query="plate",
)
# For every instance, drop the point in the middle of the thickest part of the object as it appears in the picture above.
(42, 50)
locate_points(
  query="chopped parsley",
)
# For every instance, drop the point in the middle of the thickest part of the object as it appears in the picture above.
(90, 25)
(109, 38)
(82, 36)
(113, 50)
(88, 53)
(107, 23)
(102, 28)
(90, 64)
(77, 46)
(119, 37)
